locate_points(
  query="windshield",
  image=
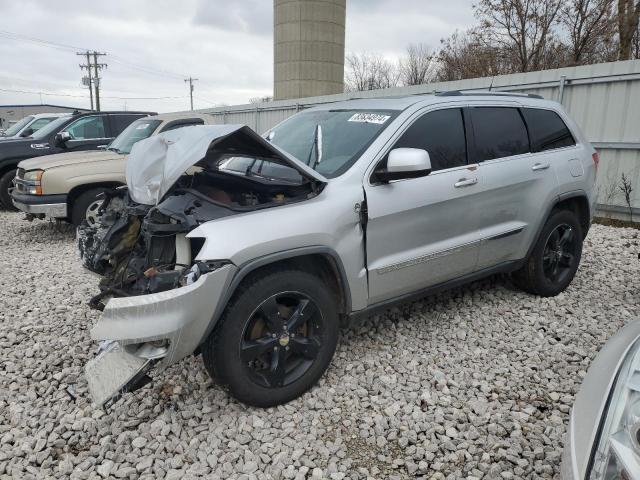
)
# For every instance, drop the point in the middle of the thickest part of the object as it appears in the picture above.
(16, 127)
(138, 130)
(330, 141)
(51, 127)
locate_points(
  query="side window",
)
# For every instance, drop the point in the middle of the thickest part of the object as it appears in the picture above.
(87, 128)
(441, 133)
(182, 123)
(498, 132)
(547, 130)
(121, 121)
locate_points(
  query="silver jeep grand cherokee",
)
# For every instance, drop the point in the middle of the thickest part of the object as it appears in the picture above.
(253, 250)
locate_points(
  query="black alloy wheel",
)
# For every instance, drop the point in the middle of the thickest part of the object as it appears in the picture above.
(282, 339)
(555, 257)
(276, 337)
(559, 253)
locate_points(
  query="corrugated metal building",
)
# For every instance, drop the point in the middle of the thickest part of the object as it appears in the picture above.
(604, 99)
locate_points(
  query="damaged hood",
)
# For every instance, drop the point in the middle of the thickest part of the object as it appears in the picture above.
(157, 162)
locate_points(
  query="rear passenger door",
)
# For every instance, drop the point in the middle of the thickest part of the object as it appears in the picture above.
(422, 231)
(513, 184)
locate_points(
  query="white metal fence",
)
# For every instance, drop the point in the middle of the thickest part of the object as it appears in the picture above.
(604, 99)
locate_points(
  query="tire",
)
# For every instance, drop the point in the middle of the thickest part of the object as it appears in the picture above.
(249, 355)
(6, 182)
(81, 204)
(555, 257)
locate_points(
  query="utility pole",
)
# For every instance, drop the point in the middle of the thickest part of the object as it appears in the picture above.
(96, 67)
(191, 80)
(88, 80)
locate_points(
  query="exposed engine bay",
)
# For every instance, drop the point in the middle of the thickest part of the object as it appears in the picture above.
(142, 248)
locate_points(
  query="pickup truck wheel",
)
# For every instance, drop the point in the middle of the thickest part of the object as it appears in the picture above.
(555, 257)
(5, 184)
(276, 338)
(86, 206)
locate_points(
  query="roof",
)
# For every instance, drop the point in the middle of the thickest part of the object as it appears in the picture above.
(44, 105)
(179, 116)
(403, 102)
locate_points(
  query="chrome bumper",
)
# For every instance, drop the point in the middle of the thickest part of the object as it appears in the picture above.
(51, 210)
(179, 318)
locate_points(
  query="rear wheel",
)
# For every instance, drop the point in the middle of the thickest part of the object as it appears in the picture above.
(6, 182)
(555, 258)
(275, 339)
(85, 207)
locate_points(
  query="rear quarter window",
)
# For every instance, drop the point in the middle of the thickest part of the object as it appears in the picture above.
(547, 130)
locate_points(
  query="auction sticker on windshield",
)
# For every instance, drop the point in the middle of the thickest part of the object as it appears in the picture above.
(369, 118)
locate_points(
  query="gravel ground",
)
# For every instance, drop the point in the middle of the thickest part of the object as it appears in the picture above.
(472, 383)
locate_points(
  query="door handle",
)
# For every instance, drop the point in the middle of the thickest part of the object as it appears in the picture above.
(465, 182)
(540, 166)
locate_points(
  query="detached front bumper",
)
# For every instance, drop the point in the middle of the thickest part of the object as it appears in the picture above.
(51, 206)
(155, 330)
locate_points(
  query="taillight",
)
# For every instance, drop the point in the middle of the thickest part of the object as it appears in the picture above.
(596, 159)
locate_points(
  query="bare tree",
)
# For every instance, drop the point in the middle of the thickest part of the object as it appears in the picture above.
(468, 55)
(589, 25)
(521, 28)
(626, 188)
(628, 16)
(418, 66)
(367, 71)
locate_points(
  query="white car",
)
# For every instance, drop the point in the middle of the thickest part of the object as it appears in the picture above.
(603, 439)
(30, 124)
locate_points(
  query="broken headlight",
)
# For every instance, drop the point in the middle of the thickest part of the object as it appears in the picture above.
(618, 448)
(192, 274)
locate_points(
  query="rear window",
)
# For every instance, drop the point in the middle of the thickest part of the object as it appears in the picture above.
(547, 130)
(499, 132)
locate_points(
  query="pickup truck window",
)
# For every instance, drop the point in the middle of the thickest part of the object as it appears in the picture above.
(138, 130)
(86, 128)
(16, 127)
(51, 128)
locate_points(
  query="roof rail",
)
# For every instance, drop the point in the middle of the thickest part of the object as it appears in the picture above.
(457, 93)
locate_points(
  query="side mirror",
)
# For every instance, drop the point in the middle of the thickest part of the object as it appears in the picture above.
(27, 132)
(61, 139)
(404, 163)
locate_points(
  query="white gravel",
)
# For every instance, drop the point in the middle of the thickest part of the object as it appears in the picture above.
(473, 383)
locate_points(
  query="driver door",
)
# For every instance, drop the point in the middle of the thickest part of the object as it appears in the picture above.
(87, 133)
(423, 231)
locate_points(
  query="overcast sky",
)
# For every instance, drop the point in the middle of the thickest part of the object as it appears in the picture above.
(153, 44)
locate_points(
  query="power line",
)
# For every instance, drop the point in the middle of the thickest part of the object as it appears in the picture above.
(62, 46)
(51, 94)
(17, 36)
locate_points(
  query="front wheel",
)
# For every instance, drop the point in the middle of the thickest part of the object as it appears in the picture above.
(555, 257)
(86, 206)
(275, 339)
(6, 182)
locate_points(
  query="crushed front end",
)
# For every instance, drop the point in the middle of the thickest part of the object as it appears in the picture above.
(157, 302)
(159, 299)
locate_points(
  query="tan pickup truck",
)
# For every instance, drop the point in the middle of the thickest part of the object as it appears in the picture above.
(67, 185)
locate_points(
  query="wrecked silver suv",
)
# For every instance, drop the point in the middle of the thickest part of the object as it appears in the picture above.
(254, 250)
